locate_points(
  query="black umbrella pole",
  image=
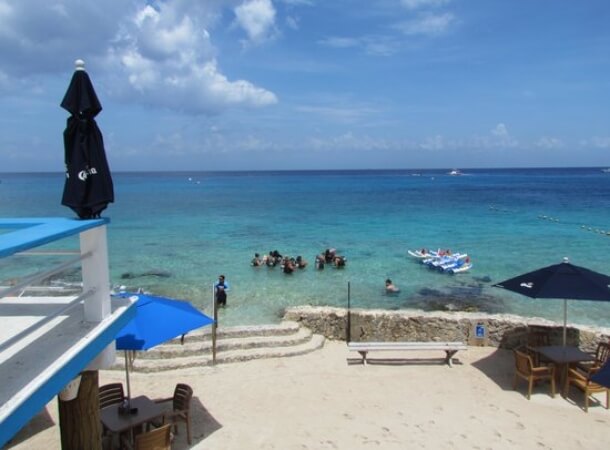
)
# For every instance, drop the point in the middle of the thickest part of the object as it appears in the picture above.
(348, 330)
(127, 378)
(215, 324)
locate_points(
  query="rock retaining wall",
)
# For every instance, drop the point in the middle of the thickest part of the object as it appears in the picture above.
(505, 331)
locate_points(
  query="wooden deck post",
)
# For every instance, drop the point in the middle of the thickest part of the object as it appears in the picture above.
(79, 419)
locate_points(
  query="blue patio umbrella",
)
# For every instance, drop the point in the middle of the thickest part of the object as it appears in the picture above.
(157, 320)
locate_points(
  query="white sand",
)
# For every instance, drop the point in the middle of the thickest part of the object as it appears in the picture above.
(319, 401)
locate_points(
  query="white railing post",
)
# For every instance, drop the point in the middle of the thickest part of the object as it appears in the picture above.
(96, 277)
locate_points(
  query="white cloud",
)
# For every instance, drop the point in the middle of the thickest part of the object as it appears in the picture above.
(602, 142)
(292, 23)
(167, 57)
(433, 143)
(340, 42)
(427, 25)
(549, 143)
(500, 131)
(344, 115)
(372, 45)
(417, 4)
(257, 18)
(157, 53)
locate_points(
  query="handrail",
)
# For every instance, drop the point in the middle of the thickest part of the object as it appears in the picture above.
(25, 282)
(23, 333)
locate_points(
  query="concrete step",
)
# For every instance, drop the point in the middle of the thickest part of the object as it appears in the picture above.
(233, 344)
(194, 347)
(205, 334)
(227, 356)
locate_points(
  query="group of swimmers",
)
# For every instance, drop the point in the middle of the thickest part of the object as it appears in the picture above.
(290, 264)
(329, 256)
(275, 258)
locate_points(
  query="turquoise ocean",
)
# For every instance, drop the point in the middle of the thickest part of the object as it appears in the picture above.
(174, 233)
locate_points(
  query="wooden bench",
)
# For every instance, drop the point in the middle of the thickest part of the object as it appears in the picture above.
(450, 348)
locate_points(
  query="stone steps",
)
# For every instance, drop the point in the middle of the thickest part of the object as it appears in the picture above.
(233, 344)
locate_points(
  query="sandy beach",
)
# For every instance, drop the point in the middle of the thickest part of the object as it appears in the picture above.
(324, 400)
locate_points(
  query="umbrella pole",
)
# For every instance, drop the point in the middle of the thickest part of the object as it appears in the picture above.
(565, 320)
(348, 332)
(215, 324)
(127, 378)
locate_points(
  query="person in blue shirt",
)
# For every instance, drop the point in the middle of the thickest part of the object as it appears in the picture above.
(220, 291)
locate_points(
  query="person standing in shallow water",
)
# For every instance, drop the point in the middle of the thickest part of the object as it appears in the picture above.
(220, 291)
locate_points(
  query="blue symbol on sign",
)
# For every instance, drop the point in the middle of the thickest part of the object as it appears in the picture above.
(480, 331)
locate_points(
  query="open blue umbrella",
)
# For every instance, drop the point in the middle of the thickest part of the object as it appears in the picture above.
(157, 320)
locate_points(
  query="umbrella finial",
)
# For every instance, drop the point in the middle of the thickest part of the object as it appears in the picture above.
(565, 259)
(79, 64)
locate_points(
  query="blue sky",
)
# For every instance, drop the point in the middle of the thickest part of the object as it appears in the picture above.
(311, 84)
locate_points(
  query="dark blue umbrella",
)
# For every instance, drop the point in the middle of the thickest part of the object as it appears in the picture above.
(561, 281)
(157, 320)
(88, 187)
(603, 376)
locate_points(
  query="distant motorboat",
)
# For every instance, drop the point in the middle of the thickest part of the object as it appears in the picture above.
(455, 173)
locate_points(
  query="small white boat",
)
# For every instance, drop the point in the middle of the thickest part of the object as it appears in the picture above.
(455, 173)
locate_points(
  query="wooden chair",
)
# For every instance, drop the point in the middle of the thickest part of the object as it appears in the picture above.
(582, 380)
(537, 338)
(156, 439)
(525, 368)
(602, 354)
(111, 394)
(181, 408)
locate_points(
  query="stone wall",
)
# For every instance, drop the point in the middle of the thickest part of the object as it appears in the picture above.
(506, 331)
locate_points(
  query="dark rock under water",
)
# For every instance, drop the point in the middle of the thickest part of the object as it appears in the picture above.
(148, 273)
(468, 298)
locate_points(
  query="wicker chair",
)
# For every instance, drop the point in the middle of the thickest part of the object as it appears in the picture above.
(181, 408)
(525, 368)
(582, 380)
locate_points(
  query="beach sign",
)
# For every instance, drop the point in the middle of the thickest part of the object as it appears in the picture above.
(478, 336)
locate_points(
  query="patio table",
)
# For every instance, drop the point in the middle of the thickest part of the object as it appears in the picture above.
(117, 422)
(563, 356)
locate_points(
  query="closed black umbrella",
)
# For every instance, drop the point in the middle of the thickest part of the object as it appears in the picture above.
(561, 281)
(88, 188)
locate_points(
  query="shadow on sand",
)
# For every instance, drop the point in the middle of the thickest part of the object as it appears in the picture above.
(39, 423)
(203, 425)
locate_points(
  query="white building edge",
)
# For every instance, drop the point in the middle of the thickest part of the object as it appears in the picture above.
(45, 342)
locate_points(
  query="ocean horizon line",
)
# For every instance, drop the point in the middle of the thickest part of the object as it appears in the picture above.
(322, 171)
